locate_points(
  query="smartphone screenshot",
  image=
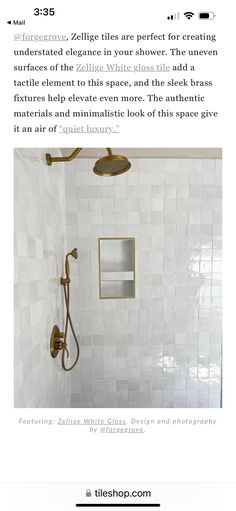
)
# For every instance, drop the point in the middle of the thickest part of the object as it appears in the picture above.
(117, 212)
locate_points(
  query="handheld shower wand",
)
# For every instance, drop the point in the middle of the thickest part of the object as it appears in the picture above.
(73, 253)
(55, 343)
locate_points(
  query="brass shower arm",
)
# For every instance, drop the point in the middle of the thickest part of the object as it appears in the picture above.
(51, 159)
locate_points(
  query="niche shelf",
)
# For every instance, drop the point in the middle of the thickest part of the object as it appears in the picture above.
(116, 267)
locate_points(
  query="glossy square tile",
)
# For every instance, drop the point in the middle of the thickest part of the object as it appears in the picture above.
(177, 282)
(161, 349)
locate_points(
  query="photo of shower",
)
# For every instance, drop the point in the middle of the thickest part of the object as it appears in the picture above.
(118, 255)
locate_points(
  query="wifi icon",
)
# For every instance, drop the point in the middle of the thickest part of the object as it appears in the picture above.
(189, 14)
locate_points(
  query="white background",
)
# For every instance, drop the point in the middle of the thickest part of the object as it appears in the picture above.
(171, 497)
(183, 454)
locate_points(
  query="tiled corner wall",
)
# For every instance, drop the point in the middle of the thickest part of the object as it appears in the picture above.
(163, 348)
(40, 244)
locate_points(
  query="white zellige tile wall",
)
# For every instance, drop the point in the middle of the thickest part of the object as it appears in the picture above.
(163, 348)
(40, 244)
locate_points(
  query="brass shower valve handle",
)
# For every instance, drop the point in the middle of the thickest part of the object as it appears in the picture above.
(61, 335)
(56, 344)
(59, 345)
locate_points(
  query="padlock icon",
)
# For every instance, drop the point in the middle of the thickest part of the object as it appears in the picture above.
(88, 493)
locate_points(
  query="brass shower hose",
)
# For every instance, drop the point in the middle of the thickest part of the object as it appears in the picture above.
(66, 287)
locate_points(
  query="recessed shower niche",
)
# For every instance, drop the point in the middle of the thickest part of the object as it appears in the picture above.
(116, 267)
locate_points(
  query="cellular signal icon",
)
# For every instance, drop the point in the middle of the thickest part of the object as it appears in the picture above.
(175, 16)
(189, 15)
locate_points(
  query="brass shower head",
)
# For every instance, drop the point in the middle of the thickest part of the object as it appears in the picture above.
(73, 253)
(111, 165)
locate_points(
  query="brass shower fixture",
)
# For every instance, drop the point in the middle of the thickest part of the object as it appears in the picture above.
(58, 339)
(55, 341)
(111, 165)
(51, 159)
(73, 253)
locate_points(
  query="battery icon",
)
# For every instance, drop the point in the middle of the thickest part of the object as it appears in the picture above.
(206, 15)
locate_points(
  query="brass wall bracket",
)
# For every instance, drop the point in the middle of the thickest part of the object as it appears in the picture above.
(55, 343)
(65, 281)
